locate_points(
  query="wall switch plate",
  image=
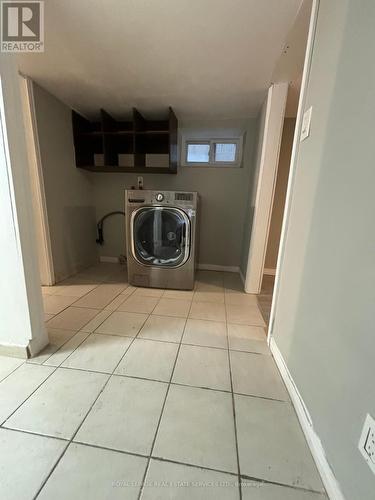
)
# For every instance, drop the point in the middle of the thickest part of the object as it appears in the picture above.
(305, 130)
(366, 443)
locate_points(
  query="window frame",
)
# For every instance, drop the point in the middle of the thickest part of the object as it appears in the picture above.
(237, 163)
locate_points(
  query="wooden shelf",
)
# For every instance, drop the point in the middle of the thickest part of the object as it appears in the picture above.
(102, 146)
(127, 170)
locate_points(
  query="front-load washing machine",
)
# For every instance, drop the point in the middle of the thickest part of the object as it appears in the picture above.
(161, 238)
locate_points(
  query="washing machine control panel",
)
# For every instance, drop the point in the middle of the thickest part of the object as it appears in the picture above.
(159, 197)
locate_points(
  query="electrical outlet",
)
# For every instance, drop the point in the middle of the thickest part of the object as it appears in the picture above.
(140, 182)
(367, 442)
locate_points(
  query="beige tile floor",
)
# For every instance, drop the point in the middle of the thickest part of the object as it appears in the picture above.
(151, 394)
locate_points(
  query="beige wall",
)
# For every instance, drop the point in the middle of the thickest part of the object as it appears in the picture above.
(223, 196)
(324, 323)
(69, 192)
(280, 193)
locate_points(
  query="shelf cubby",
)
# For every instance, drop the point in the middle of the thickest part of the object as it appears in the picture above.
(137, 145)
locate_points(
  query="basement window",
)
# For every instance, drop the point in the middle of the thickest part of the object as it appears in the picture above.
(212, 152)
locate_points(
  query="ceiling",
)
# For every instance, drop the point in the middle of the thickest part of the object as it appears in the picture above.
(206, 59)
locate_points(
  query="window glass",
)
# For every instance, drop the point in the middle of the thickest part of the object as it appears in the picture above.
(198, 153)
(225, 152)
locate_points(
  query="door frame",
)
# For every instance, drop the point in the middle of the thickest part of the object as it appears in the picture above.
(269, 162)
(47, 275)
(293, 162)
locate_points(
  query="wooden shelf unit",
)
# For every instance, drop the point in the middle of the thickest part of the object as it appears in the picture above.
(138, 145)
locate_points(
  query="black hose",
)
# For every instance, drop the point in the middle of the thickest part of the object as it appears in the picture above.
(99, 225)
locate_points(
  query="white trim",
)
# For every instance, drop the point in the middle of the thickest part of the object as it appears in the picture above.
(46, 270)
(269, 272)
(15, 351)
(293, 160)
(214, 267)
(329, 480)
(269, 162)
(113, 260)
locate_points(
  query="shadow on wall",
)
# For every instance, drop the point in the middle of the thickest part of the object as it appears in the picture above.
(77, 250)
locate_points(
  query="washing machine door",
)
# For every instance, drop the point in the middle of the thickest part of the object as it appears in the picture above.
(160, 236)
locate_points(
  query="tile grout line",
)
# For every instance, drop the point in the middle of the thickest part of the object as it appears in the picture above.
(162, 408)
(168, 460)
(160, 418)
(81, 330)
(28, 397)
(83, 420)
(233, 405)
(81, 297)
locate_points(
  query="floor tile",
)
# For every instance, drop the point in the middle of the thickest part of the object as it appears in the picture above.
(149, 292)
(8, 364)
(116, 476)
(75, 289)
(128, 290)
(172, 307)
(179, 294)
(256, 375)
(203, 367)
(47, 317)
(216, 297)
(66, 350)
(100, 296)
(98, 353)
(272, 445)
(181, 482)
(122, 323)
(72, 318)
(149, 359)
(247, 338)
(208, 287)
(96, 321)
(19, 385)
(125, 416)
(245, 315)
(255, 490)
(197, 428)
(205, 333)
(139, 304)
(60, 404)
(241, 299)
(215, 278)
(53, 304)
(48, 290)
(116, 303)
(208, 311)
(163, 328)
(57, 338)
(233, 283)
(25, 462)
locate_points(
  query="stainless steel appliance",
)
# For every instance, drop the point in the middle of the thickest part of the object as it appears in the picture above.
(161, 238)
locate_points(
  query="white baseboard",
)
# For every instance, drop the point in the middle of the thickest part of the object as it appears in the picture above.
(113, 260)
(329, 480)
(269, 272)
(213, 267)
(15, 351)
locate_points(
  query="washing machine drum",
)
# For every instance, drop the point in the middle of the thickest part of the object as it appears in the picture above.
(160, 236)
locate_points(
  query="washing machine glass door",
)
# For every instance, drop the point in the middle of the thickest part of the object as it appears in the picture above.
(160, 236)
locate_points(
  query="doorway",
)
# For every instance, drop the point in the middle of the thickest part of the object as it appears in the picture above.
(274, 233)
